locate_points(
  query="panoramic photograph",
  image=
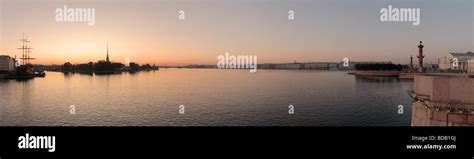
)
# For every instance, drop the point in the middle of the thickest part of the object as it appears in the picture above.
(235, 63)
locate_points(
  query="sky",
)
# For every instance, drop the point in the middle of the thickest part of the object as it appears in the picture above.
(149, 31)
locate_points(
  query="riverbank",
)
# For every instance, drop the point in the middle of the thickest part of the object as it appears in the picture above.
(377, 73)
(399, 74)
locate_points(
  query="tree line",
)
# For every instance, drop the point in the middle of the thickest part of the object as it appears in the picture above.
(380, 67)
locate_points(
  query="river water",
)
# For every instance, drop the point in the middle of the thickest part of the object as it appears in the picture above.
(206, 97)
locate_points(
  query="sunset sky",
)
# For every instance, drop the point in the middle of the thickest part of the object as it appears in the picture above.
(148, 31)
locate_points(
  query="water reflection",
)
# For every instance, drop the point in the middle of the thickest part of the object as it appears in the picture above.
(212, 97)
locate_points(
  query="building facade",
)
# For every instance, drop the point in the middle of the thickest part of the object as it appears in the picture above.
(470, 66)
(288, 66)
(321, 66)
(7, 63)
(449, 61)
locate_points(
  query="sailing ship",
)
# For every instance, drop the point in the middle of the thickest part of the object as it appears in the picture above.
(24, 69)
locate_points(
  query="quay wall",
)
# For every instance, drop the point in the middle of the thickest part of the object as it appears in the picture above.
(443, 100)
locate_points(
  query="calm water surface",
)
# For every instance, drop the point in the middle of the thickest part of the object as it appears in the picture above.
(210, 96)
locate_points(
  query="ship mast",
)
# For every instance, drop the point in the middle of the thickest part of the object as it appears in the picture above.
(25, 51)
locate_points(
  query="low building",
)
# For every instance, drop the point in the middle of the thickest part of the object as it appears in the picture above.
(315, 65)
(470, 64)
(294, 66)
(279, 66)
(320, 66)
(266, 66)
(448, 63)
(288, 66)
(7, 63)
(431, 67)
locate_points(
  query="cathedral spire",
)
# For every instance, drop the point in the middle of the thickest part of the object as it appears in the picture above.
(107, 58)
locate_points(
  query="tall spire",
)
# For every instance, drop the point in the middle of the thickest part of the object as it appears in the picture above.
(107, 58)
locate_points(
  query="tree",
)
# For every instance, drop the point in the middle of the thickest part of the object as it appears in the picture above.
(67, 67)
